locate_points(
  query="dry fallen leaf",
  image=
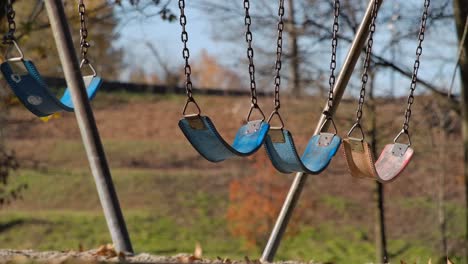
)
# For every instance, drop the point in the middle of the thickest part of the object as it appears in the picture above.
(187, 259)
(430, 261)
(198, 251)
(197, 255)
(109, 251)
(449, 261)
(255, 261)
(224, 260)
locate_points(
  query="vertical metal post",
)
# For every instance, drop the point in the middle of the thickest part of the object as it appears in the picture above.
(338, 91)
(88, 128)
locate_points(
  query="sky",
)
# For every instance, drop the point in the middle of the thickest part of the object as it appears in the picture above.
(136, 30)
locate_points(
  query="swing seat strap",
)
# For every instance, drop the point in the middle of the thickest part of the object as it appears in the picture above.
(202, 134)
(28, 85)
(390, 164)
(282, 152)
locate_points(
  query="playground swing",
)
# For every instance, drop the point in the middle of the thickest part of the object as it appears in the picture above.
(279, 142)
(200, 130)
(394, 157)
(26, 82)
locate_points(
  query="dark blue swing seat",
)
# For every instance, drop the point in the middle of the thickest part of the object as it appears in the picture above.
(282, 151)
(33, 92)
(202, 134)
(28, 85)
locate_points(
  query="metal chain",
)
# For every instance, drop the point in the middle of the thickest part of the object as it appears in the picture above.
(10, 14)
(414, 77)
(250, 54)
(279, 51)
(331, 81)
(365, 75)
(186, 52)
(84, 44)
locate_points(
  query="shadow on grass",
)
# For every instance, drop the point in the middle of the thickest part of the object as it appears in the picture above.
(19, 222)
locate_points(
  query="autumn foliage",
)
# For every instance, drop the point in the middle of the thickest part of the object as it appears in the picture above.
(255, 201)
(209, 73)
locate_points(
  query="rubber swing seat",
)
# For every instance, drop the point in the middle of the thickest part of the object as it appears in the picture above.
(32, 91)
(390, 164)
(319, 152)
(202, 134)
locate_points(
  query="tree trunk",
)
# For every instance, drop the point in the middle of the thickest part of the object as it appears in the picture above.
(379, 226)
(460, 12)
(443, 135)
(296, 88)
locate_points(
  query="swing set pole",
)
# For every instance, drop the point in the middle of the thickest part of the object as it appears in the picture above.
(338, 90)
(88, 128)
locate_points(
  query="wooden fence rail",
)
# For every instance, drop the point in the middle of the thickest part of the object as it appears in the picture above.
(115, 86)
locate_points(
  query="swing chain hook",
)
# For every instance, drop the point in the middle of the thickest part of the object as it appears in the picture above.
(9, 37)
(276, 113)
(365, 75)
(356, 126)
(250, 57)
(186, 56)
(328, 118)
(332, 79)
(335, 29)
(84, 43)
(278, 65)
(14, 44)
(403, 132)
(414, 77)
(257, 107)
(279, 52)
(187, 102)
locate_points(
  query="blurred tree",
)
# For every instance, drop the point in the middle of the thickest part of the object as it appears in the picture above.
(255, 201)
(308, 25)
(295, 74)
(8, 191)
(209, 73)
(373, 130)
(461, 15)
(35, 36)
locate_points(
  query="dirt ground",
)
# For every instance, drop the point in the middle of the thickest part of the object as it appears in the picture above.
(92, 256)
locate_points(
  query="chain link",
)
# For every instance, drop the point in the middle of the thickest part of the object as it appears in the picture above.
(10, 14)
(414, 77)
(186, 53)
(250, 54)
(279, 51)
(365, 75)
(84, 44)
(331, 81)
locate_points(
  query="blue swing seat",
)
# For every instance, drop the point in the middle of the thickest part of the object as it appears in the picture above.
(202, 134)
(282, 152)
(33, 92)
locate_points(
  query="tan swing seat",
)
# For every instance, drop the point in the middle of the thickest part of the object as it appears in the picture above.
(390, 164)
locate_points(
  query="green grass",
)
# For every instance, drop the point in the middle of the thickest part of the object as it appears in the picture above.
(167, 212)
(151, 232)
(162, 234)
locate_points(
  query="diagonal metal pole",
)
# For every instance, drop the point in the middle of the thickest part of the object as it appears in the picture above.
(300, 179)
(88, 128)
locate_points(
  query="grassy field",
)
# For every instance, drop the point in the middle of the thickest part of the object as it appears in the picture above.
(173, 199)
